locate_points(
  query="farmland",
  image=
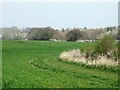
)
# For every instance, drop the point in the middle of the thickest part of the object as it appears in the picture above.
(35, 64)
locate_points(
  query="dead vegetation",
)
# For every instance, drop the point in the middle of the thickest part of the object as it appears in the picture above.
(75, 55)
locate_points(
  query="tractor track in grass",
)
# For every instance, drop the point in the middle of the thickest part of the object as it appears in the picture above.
(46, 70)
(56, 67)
(76, 69)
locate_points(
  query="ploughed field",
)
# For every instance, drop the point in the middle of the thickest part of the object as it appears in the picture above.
(36, 64)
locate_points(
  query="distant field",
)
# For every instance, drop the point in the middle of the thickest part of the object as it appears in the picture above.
(35, 64)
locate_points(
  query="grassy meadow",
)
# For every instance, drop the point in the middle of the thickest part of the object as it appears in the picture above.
(36, 64)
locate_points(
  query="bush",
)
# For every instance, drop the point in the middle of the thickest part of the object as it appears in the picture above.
(90, 52)
(105, 45)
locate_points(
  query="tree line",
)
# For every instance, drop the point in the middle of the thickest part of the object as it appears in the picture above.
(48, 33)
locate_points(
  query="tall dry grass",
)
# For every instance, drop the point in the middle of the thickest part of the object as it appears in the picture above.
(75, 55)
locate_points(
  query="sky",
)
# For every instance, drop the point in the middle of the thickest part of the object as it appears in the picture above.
(59, 14)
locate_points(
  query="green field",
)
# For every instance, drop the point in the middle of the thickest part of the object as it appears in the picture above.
(45, 70)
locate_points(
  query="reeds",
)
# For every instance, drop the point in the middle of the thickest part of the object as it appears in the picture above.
(75, 55)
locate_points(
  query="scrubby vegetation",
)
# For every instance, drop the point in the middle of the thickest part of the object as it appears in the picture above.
(105, 46)
(103, 53)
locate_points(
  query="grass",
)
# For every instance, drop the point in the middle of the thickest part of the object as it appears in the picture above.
(35, 64)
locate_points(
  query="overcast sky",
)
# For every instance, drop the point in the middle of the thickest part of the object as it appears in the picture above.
(58, 15)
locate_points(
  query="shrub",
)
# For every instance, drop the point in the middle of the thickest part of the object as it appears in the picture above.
(105, 45)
